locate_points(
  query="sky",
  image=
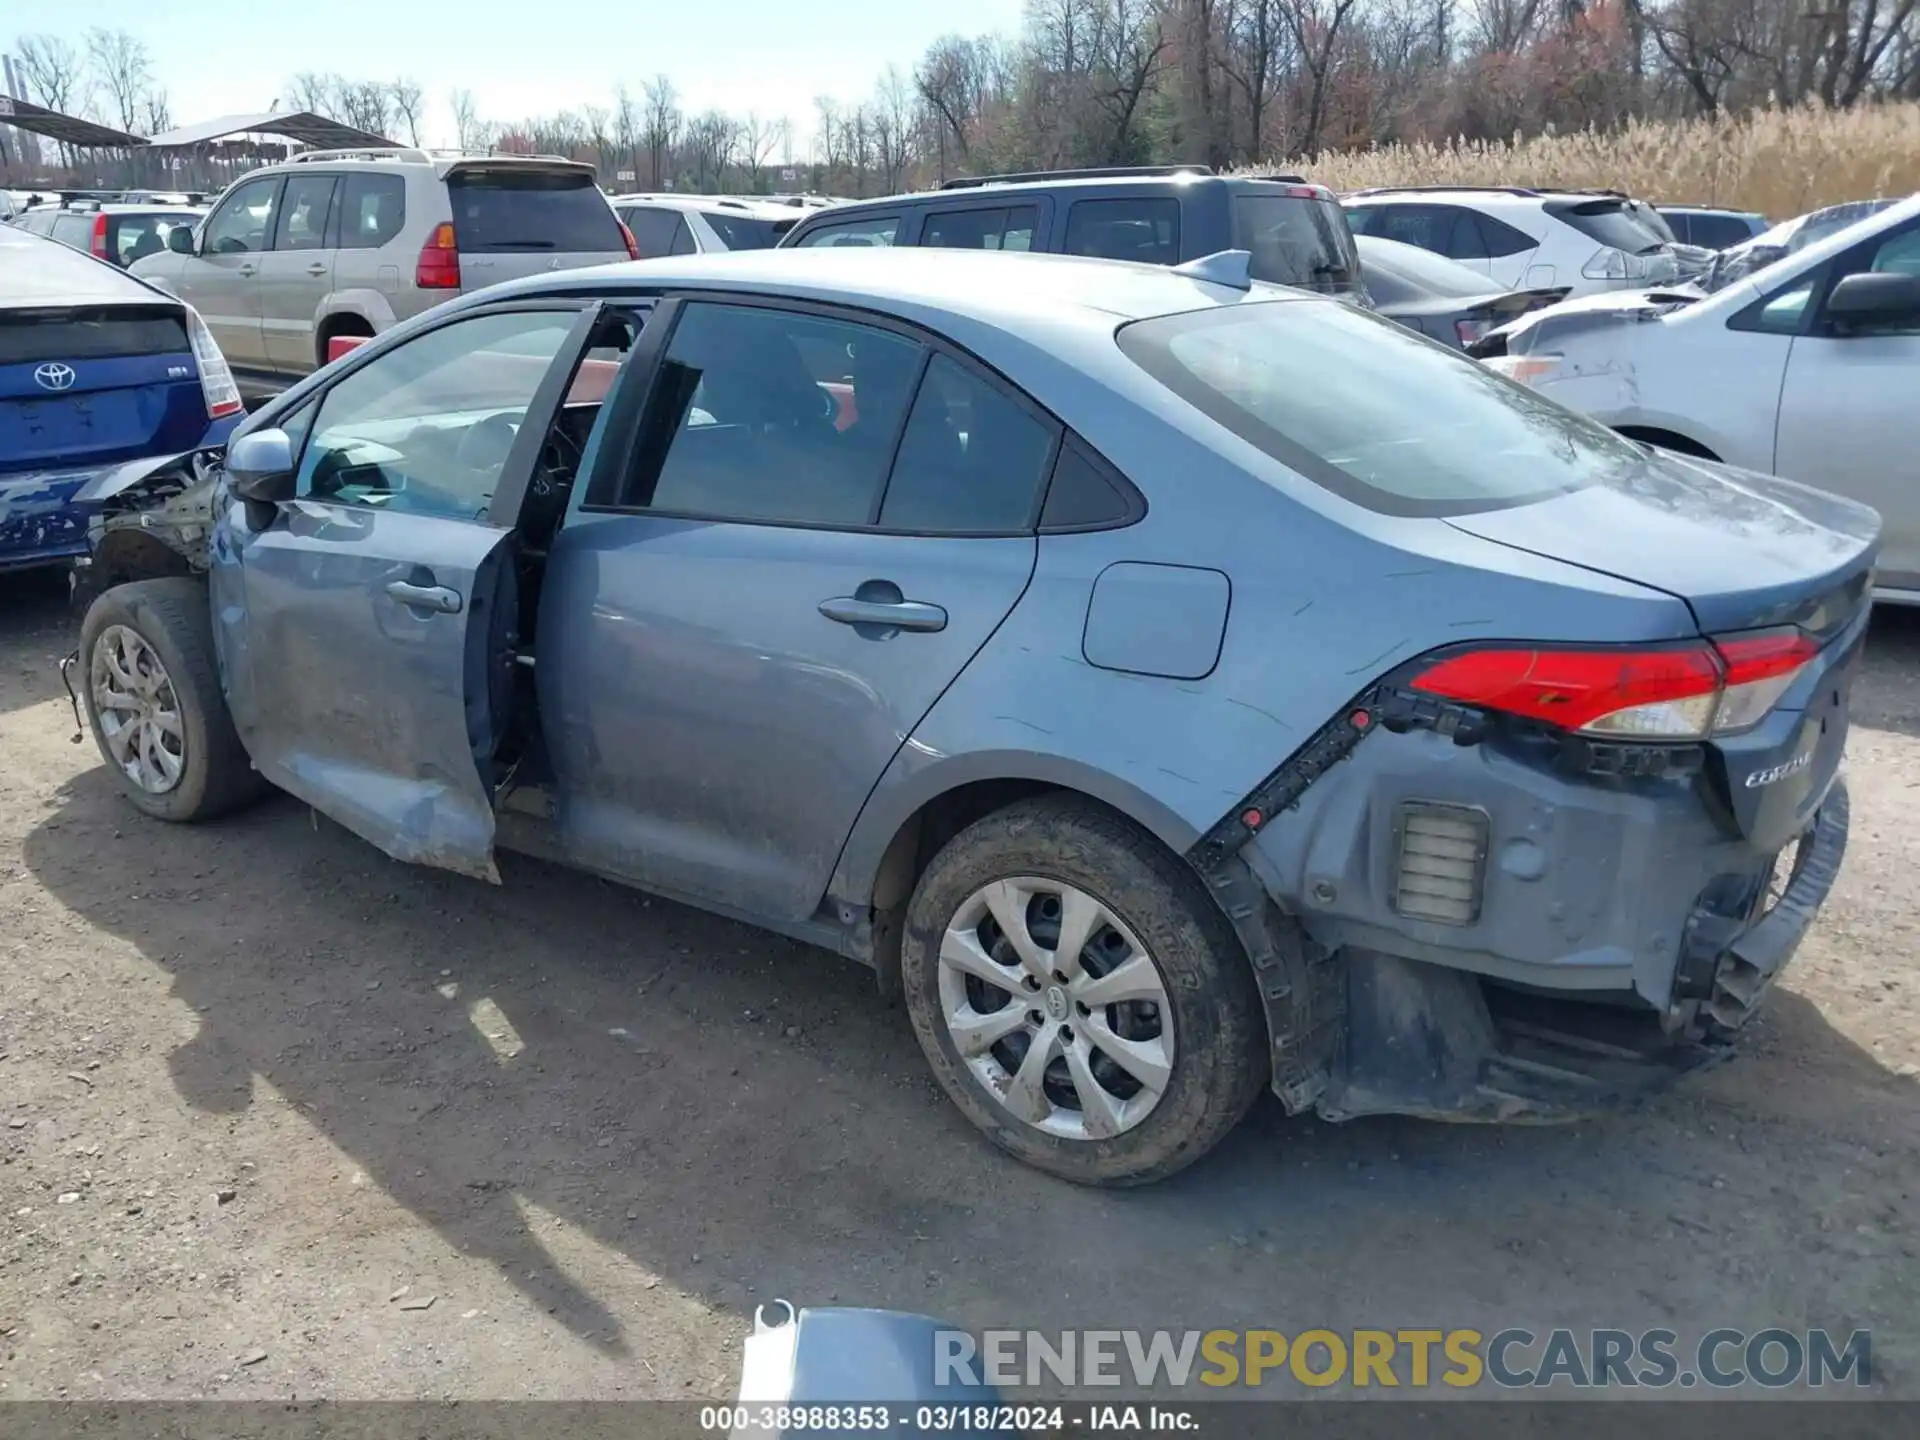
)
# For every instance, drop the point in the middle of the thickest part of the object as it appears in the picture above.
(219, 57)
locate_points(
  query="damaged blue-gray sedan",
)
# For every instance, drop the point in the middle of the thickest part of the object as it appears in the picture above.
(1176, 688)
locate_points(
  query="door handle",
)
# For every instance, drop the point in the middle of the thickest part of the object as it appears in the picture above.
(426, 597)
(246, 268)
(316, 268)
(891, 614)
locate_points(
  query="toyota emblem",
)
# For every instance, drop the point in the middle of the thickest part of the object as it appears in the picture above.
(54, 376)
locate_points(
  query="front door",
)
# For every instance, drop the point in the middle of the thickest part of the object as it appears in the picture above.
(363, 625)
(1848, 418)
(296, 275)
(770, 585)
(219, 280)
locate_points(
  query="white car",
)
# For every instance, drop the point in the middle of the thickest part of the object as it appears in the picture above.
(1808, 368)
(701, 224)
(1584, 240)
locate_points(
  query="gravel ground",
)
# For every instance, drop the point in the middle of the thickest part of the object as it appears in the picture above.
(280, 1117)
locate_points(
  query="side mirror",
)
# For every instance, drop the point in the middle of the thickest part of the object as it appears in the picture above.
(1874, 300)
(180, 240)
(260, 466)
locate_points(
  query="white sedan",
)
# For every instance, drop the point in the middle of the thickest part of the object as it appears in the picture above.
(1809, 368)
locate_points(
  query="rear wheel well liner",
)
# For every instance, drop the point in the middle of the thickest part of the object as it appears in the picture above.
(342, 322)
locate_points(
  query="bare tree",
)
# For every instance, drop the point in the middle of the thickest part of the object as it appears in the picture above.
(51, 69)
(1316, 26)
(317, 93)
(660, 125)
(1256, 53)
(366, 105)
(827, 137)
(409, 108)
(157, 111)
(626, 132)
(949, 79)
(119, 66)
(468, 132)
(712, 141)
(761, 138)
(893, 128)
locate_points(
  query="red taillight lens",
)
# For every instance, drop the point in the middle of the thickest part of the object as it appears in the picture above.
(439, 265)
(1468, 331)
(99, 245)
(1670, 692)
(633, 249)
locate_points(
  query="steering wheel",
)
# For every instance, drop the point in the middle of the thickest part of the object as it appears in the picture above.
(486, 444)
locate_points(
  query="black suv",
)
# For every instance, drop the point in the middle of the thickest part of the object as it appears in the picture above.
(1163, 215)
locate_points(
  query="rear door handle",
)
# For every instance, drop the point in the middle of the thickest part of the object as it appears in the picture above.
(246, 268)
(891, 614)
(316, 268)
(426, 597)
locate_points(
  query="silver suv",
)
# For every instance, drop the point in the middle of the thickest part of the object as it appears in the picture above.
(335, 243)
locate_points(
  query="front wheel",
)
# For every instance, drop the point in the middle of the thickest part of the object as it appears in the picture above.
(154, 701)
(1078, 995)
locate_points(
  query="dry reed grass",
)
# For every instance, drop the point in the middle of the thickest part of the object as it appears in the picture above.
(1779, 162)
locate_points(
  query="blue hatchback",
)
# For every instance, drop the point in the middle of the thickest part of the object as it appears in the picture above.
(96, 368)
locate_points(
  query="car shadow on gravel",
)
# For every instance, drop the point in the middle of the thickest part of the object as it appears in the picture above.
(739, 1117)
(37, 627)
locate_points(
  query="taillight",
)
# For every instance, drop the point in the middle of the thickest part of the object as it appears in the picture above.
(1671, 692)
(1469, 331)
(217, 385)
(99, 242)
(439, 264)
(633, 248)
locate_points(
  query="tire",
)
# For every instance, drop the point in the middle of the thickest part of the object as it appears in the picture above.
(172, 618)
(1158, 911)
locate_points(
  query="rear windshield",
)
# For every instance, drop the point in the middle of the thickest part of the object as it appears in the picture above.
(531, 211)
(1608, 222)
(1372, 412)
(91, 333)
(1296, 241)
(1407, 273)
(747, 232)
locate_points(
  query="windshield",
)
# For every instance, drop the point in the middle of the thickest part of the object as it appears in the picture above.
(1296, 240)
(1611, 223)
(1372, 412)
(1413, 274)
(747, 232)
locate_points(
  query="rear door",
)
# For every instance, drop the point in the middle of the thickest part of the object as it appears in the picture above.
(366, 626)
(296, 274)
(1848, 418)
(759, 600)
(526, 219)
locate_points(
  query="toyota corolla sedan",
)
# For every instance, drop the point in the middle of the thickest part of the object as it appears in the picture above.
(1177, 688)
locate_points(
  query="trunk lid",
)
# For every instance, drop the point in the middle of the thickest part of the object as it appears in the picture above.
(1743, 550)
(527, 218)
(88, 385)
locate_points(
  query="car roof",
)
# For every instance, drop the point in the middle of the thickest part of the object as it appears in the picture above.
(1707, 210)
(753, 209)
(36, 271)
(972, 196)
(1001, 289)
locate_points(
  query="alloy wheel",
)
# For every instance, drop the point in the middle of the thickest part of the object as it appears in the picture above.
(138, 711)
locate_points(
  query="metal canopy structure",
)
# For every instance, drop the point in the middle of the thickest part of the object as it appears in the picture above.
(66, 129)
(302, 127)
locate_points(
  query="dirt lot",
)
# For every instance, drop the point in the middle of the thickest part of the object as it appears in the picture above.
(266, 1094)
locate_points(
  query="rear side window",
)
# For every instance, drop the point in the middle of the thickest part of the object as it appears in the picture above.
(653, 229)
(74, 230)
(1716, 232)
(972, 460)
(878, 230)
(514, 212)
(1009, 228)
(1295, 240)
(1501, 238)
(1146, 229)
(28, 337)
(1323, 389)
(1609, 223)
(304, 206)
(372, 210)
(747, 232)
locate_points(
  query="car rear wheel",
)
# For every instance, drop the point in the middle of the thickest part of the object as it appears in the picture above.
(154, 701)
(1078, 995)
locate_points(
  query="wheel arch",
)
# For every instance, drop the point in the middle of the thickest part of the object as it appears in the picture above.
(1667, 439)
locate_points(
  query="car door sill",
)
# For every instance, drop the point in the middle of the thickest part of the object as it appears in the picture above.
(526, 833)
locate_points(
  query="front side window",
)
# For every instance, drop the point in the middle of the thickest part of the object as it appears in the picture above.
(1008, 228)
(372, 210)
(244, 221)
(1146, 230)
(303, 213)
(426, 429)
(1372, 412)
(773, 416)
(972, 460)
(878, 230)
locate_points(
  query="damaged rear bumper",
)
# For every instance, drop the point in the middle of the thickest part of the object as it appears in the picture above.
(1424, 1039)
